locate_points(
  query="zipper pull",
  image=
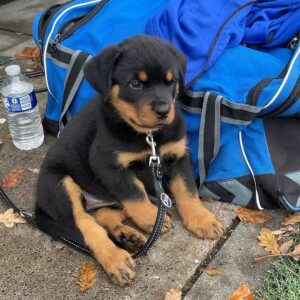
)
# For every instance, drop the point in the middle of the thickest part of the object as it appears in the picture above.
(56, 41)
(294, 42)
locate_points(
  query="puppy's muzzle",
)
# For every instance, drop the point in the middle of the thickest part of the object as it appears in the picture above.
(161, 109)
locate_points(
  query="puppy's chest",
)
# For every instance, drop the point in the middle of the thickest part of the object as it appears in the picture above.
(174, 149)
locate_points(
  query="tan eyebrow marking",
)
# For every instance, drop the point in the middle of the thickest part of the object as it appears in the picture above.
(169, 75)
(142, 76)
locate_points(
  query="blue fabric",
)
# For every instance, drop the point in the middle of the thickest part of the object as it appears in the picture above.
(192, 26)
(272, 23)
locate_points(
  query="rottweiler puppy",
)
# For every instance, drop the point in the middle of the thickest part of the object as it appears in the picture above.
(103, 154)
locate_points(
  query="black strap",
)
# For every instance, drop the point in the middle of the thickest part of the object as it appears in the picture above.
(24, 214)
(72, 83)
(238, 113)
(209, 133)
(163, 202)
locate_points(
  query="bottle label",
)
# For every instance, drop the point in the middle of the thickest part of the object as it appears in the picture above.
(20, 104)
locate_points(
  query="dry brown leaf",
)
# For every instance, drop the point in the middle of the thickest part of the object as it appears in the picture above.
(284, 247)
(268, 241)
(242, 293)
(251, 216)
(292, 219)
(10, 181)
(86, 276)
(212, 271)
(34, 170)
(28, 50)
(173, 294)
(36, 52)
(23, 56)
(9, 218)
(296, 253)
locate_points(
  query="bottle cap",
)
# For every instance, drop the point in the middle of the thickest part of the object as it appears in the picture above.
(13, 70)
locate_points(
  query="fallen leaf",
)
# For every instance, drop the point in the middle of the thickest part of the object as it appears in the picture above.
(292, 219)
(173, 294)
(9, 218)
(1, 142)
(36, 53)
(28, 50)
(283, 230)
(23, 56)
(8, 136)
(86, 276)
(212, 271)
(34, 170)
(251, 216)
(10, 181)
(268, 241)
(284, 247)
(242, 293)
(296, 253)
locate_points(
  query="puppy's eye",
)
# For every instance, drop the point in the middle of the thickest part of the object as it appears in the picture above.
(135, 84)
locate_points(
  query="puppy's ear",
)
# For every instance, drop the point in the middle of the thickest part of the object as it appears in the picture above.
(98, 70)
(181, 60)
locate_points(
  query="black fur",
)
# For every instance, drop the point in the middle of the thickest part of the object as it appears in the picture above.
(86, 148)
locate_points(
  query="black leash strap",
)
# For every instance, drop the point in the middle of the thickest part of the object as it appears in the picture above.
(163, 200)
(24, 214)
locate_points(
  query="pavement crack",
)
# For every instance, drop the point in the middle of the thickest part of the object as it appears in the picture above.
(209, 257)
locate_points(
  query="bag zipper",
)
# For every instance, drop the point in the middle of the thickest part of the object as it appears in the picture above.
(46, 17)
(214, 43)
(67, 30)
(288, 103)
(264, 82)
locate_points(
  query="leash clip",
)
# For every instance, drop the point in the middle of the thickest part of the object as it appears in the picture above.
(154, 158)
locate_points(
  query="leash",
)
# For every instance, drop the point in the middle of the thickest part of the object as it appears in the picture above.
(164, 202)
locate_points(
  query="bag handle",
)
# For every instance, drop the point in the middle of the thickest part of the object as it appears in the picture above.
(73, 80)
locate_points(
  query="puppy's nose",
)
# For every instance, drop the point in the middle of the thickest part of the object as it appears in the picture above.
(161, 109)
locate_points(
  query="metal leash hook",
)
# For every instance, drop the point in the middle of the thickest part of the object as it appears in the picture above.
(154, 161)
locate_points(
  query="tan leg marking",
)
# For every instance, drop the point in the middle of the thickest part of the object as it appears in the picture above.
(177, 148)
(143, 212)
(117, 263)
(196, 218)
(112, 220)
(124, 159)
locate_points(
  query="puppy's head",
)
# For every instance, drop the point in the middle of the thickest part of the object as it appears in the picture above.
(140, 77)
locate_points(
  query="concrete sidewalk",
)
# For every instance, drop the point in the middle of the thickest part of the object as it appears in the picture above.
(33, 266)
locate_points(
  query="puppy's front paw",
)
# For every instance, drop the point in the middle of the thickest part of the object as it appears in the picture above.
(120, 267)
(131, 239)
(203, 224)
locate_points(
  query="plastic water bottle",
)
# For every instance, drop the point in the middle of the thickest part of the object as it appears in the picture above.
(23, 115)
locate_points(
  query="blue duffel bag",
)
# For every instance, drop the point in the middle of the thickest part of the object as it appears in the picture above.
(241, 113)
(242, 118)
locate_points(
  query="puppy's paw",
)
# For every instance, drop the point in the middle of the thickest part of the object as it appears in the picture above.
(167, 225)
(130, 238)
(120, 267)
(204, 224)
